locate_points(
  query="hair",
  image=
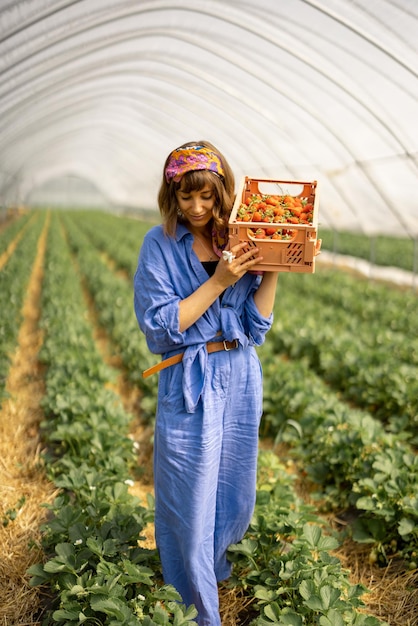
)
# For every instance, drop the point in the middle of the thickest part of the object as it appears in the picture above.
(195, 180)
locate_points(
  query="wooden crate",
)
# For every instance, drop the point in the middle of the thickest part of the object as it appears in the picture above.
(295, 251)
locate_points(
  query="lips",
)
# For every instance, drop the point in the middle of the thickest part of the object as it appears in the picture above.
(199, 218)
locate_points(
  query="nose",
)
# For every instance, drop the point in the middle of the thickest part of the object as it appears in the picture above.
(197, 205)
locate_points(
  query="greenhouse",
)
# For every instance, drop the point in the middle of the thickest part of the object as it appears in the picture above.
(101, 91)
(94, 96)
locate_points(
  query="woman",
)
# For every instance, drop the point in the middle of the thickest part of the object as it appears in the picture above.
(200, 306)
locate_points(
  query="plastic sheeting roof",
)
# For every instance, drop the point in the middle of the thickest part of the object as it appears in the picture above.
(287, 89)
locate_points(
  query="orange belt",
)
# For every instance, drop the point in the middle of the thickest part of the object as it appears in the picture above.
(212, 346)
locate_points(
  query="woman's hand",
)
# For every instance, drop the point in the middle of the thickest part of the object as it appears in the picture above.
(226, 274)
(229, 271)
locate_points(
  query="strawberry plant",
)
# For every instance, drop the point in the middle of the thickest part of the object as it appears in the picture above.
(14, 277)
(285, 562)
(347, 452)
(119, 239)
(94, 562)
(366, 352)
(114, 304)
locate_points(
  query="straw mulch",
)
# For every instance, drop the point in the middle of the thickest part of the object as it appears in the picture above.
(393, 590)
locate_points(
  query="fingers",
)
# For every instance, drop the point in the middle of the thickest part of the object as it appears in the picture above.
(245, 247)
(246, 251)
(242, 257)
(236, 262)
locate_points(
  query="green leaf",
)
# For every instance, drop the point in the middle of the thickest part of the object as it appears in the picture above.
(315, 603)
(267, 595)
(329, 596)
(95, 544)
(136, 573)
(332, 618)
(160, 615)
(272, 611)
(327, 543)
(109, 606)
(366, 503)
(406, 527)
(316, 540)
(39, 576)
(361, 533)
(65, 614)
(290, 619)
(312, 534)
(166, 593)
(248, 547)
(366, 530)
(306, 589)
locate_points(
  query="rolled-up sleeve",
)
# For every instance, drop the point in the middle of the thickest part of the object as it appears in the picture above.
(255, 324)
(168, 272)
(156, 304)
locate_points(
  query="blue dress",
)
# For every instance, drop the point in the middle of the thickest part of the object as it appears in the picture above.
(208, 415)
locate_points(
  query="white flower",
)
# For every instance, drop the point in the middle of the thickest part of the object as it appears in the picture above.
(77, 542)
(129, 482)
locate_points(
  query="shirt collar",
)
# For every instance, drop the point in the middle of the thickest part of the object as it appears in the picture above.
(181, 231)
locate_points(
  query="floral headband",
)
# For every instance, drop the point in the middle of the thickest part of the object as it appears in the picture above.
(191, 158)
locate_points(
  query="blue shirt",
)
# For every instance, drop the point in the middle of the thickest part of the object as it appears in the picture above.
(168, 271)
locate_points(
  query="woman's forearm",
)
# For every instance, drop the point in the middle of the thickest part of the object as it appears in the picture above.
(265, 295)
(195, 305)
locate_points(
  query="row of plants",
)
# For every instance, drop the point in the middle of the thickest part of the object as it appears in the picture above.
(12, 229)
(305, 600)
(368, 300)
(119, 238)
(380, 249)
(353, 348)
(354, 465)
(360, 337)
(113, 298)
(339, 469)
(95, 567)
(98, 570)
(14, 277)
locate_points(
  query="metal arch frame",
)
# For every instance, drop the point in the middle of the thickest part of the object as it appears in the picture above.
(52, 138)
(313, 4)
(300, 102)
(170, 5)
(272, 41)
(319, 7)
(232, 95)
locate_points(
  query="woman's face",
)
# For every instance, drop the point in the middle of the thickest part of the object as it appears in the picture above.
(197, 206)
